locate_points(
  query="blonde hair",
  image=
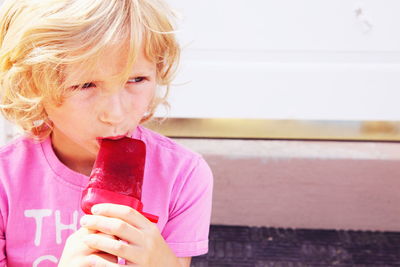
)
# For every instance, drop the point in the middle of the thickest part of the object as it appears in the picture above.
(39, 38)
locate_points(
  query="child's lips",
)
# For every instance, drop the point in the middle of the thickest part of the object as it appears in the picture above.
(114, 137)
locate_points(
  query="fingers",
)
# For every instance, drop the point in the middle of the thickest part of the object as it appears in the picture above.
(113, 247)
(107, 257)
(97, 260)
(113, 227)
(125, 213)
(76, 252)
(126, 224)
(75, 245)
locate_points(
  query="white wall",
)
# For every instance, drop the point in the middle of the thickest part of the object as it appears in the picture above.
(289, 59)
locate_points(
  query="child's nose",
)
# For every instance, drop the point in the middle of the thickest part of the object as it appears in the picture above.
(113, 109)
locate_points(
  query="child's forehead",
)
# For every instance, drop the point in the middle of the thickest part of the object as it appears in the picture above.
(111, 62)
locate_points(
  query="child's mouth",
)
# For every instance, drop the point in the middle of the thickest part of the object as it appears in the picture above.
(114, 137)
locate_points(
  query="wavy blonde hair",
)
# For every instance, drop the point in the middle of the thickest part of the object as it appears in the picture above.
(39, 38)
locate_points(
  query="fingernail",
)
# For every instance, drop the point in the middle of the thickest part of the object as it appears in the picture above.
(95, 209)
(84, 220)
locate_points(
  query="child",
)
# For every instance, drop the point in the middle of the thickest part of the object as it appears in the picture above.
(73, 71)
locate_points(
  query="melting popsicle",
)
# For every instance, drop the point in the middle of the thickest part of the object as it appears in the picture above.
(117, 175)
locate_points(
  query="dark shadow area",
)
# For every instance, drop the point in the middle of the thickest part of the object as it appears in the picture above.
(243, 246)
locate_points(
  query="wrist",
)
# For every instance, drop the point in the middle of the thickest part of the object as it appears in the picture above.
(171, 259)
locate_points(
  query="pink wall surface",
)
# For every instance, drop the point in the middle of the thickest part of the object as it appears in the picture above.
(304, 184)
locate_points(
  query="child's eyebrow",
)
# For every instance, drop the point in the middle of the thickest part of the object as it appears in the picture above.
(142, 70)
(137, 74)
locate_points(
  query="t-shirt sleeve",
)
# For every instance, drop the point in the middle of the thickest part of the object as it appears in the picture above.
(188, 225)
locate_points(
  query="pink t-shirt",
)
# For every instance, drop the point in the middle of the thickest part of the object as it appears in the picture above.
(40, 199)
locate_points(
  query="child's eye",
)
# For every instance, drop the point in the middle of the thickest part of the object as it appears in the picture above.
(84, 86)
(136, 80)
(88, 85)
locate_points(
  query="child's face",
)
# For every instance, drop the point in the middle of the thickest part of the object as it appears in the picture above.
(104, 106)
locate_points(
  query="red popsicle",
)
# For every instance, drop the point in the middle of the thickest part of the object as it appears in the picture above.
(117, 175)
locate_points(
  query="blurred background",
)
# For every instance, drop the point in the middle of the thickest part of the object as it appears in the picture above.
(295, 106)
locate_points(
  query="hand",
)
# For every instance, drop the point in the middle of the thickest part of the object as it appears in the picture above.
(144, 246)
(77, 253)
